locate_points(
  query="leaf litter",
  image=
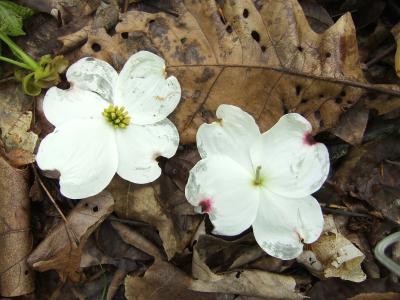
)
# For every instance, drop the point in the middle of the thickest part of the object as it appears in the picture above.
(268, 57)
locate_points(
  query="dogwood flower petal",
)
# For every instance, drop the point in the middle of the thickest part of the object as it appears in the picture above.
(85, 154)
(291, 163)
(231, 135)
(93, 75)
(140, 145)
(221, 187)
(145, 91)
(61, 106)
(282, 224)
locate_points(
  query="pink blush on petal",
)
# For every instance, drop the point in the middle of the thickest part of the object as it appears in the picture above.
(308, 139)
(206, 205)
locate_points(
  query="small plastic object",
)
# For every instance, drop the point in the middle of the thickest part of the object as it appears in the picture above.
(382, 257)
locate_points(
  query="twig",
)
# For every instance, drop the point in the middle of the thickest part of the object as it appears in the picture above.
(380, 56)
(344, 212)
(130, 222)
(347, 82)
(69, 230)
(52, 199)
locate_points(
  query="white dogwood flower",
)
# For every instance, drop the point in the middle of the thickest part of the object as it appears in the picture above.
(246, 178)
(108, 123)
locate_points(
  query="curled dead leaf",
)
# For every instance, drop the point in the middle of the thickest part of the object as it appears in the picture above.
(61, 250)
(333, 255)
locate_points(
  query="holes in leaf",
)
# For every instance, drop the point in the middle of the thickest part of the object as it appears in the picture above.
(263, 48)
(343, 93)
(327, 54)
(229, 29)
(183, 40)
(298, 90)
(151, 21)
(238, 273)
(300, 48)
(26, 272)
(95, 208)
(96, 47)
(256, 36)
(338, 100)
(124, 35)
(86, 205)
(304, 100)
(245, 13)
(317, 114)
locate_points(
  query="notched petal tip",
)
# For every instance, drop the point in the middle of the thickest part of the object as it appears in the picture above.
(308, 139)
(206, 205)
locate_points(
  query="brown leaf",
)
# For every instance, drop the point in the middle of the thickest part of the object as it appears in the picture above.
(16, 278)
(253, 283)
(317, 16)
(334, 289)
(221, 255)
(135, 239)
(332, 255)
(246, 54)
(377, 296)
(371, 172)
(162, 281)
(18, 157)
(148, 203)
(352, 124)
(16, 118)
(62, 248)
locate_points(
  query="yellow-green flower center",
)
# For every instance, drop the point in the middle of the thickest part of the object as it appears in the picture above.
(117, 116)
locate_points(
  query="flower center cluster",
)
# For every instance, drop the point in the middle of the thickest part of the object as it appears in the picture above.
(117, 116)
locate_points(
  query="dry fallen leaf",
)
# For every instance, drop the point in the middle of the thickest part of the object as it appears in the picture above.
(148, 204)
(245, 53)
(396, 34)
(317, 16)
(371, 172)
(352, 124)
(376, 296)
(15, 119)
(61, 250)
(16, 278)
(253, 283)
(162, 281)
(333, 255)
(334, 288)
(135, 239)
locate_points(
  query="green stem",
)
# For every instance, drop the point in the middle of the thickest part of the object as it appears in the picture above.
(19, 52)
(14, 62)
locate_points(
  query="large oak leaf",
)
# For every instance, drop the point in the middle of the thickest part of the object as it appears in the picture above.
(260, 55)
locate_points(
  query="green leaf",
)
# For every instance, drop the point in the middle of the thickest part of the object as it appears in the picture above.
(12, 16)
